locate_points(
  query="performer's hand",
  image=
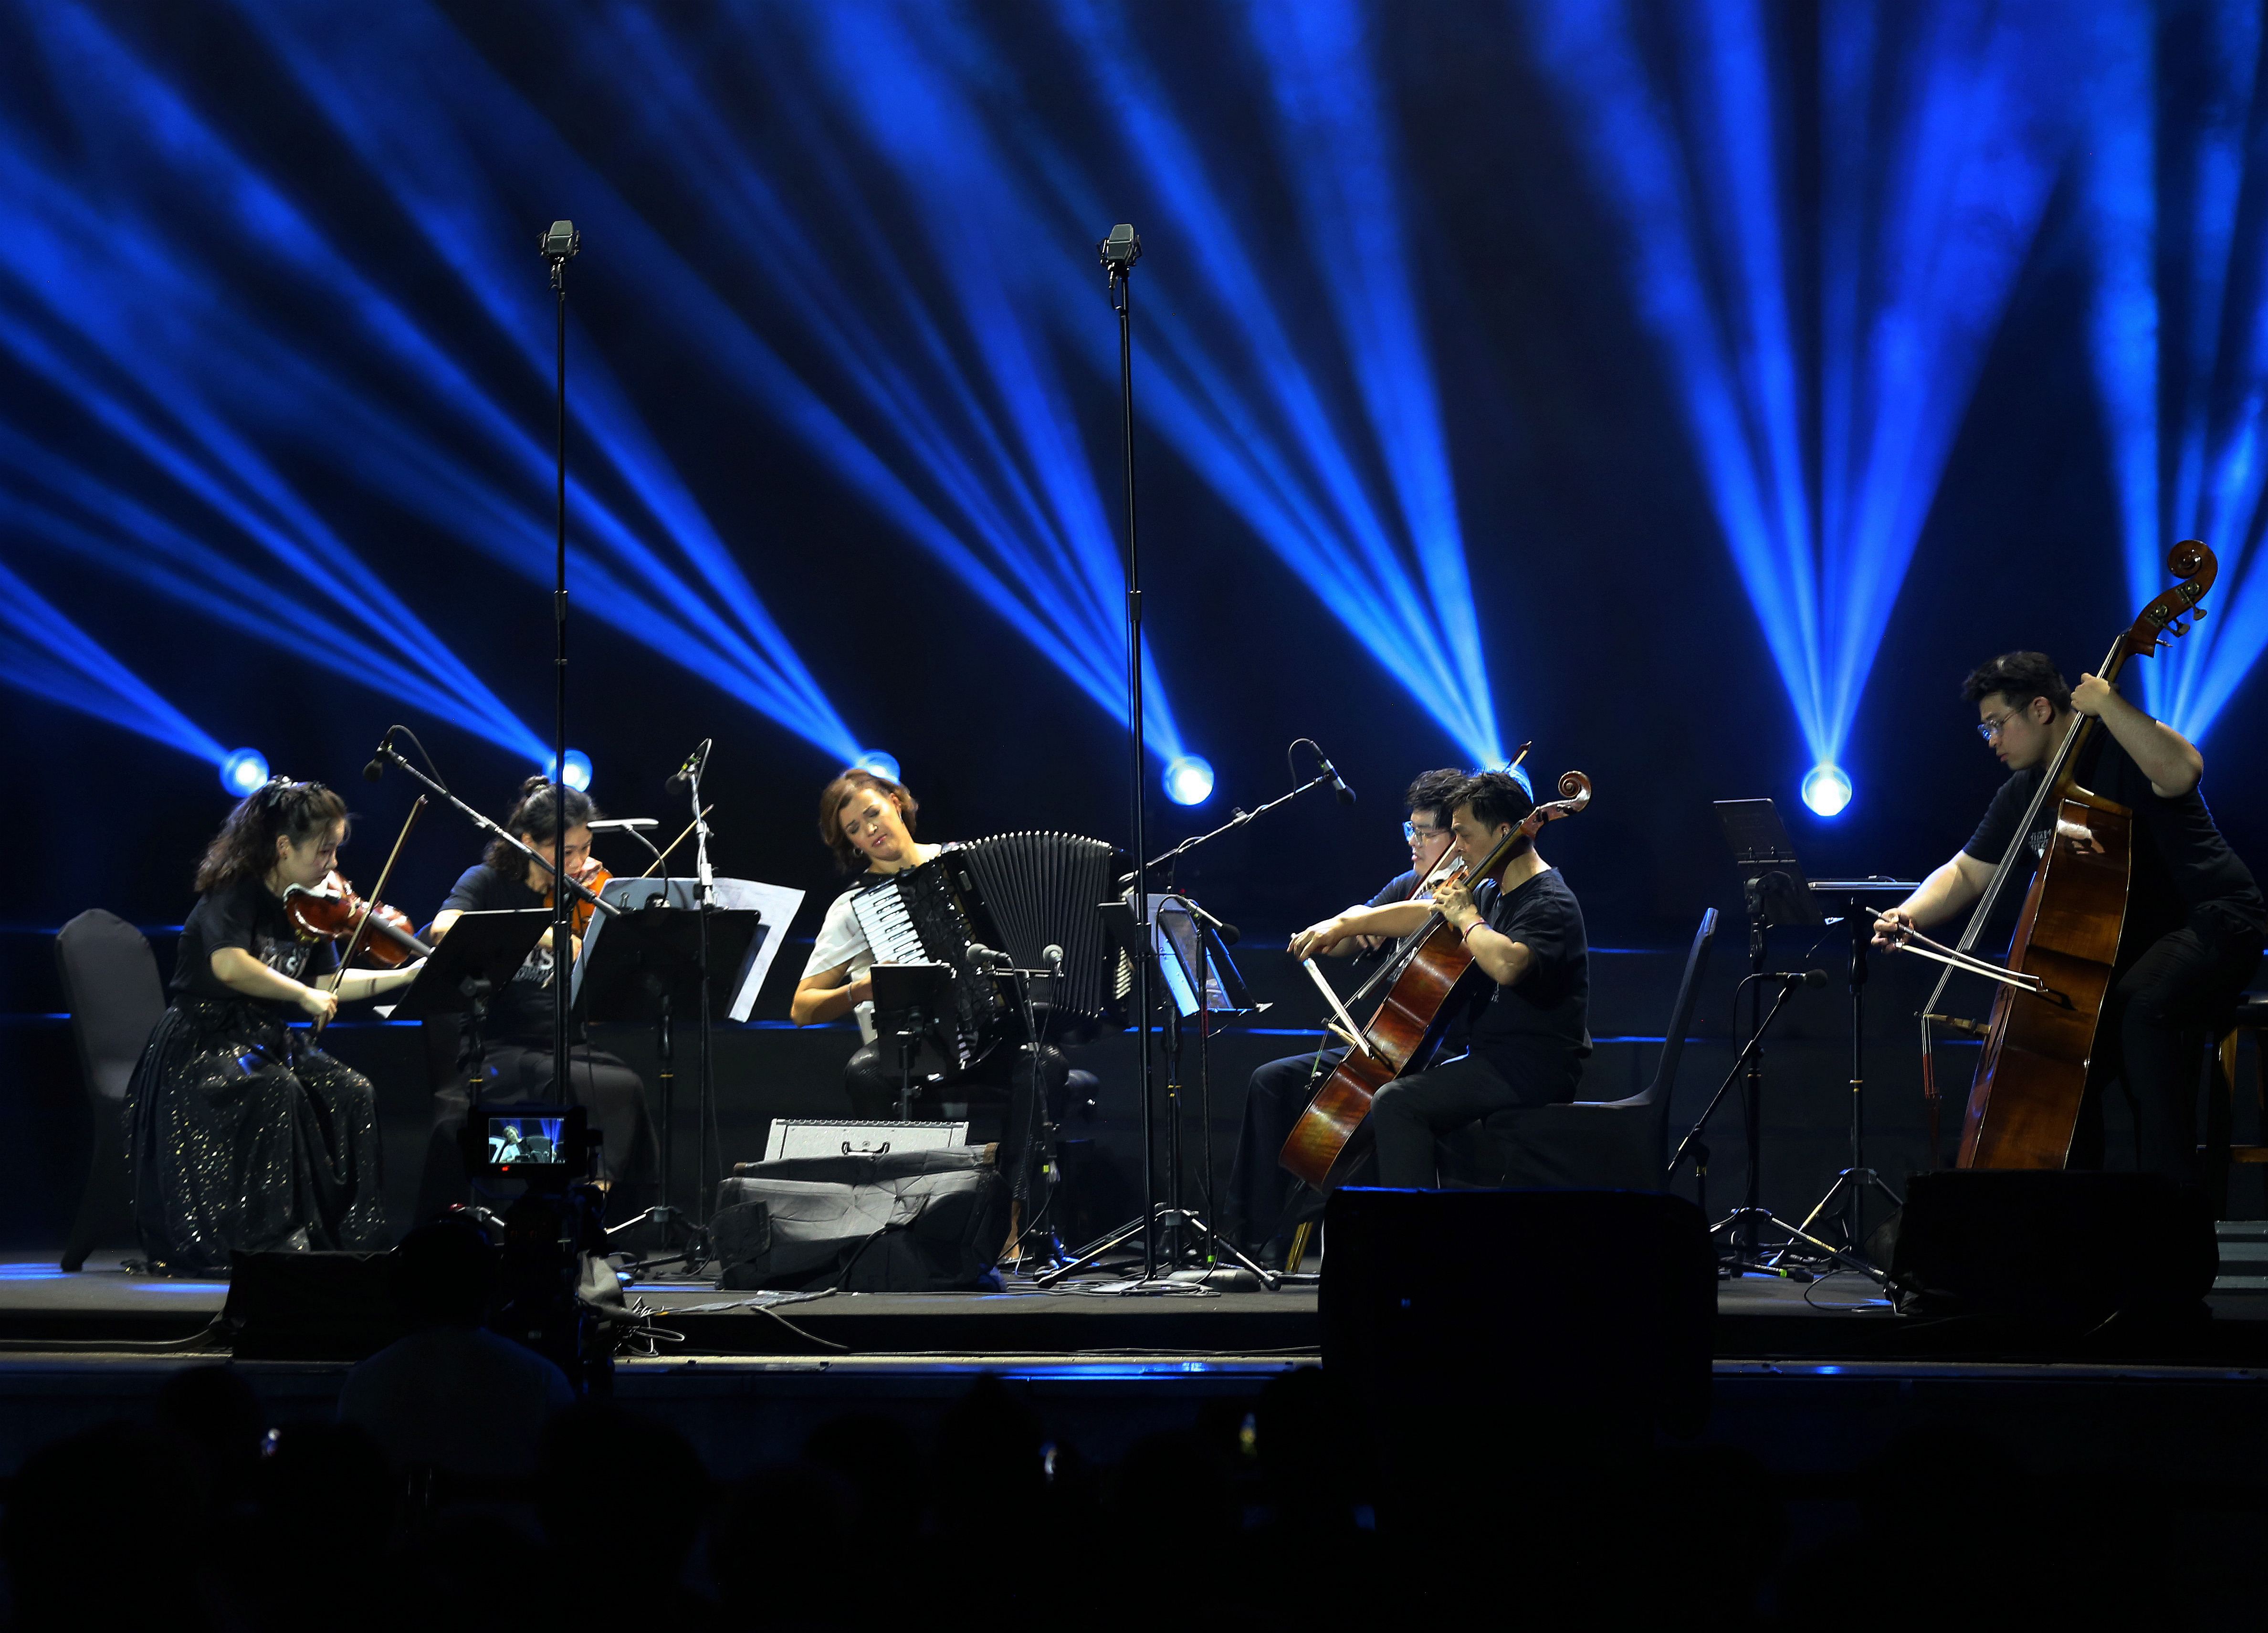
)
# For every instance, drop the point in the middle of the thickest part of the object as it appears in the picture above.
(2091, 694)
(320, 1005)
(1319, 938)
(1890, 929)
(1455, 900)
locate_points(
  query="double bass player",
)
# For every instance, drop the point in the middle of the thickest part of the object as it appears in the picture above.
(2195, 917)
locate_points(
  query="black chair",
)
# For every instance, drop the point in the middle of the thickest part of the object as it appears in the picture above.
(1589, 1145)
(110, 980)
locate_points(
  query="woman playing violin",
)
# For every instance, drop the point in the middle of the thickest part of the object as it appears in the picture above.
(243, 1134)
(516, 1038)
(1530, 1031)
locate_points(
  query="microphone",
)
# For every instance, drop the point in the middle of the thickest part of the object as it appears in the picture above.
(979, 953)
(1802, 977)
(1338, 784)
(559, 242)
(689, 773)
(376, 768)
(1054, 955)
(1120, 251)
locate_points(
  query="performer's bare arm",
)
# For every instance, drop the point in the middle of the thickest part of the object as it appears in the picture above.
(1943, 894)
(1397, 919)
(829, 995)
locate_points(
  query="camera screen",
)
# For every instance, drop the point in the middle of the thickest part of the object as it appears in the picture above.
(527, 1141)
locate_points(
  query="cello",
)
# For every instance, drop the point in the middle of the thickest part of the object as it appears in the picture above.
(1429, 969)
(2023, 1103)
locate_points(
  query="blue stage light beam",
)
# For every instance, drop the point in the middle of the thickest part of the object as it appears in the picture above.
(683, 621)
(986, 443)
(44, 653)
(2175, 184)
(1234, 394)
(1938, 151)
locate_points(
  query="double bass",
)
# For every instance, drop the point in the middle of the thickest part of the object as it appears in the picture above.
(2023, 1103)
(1431, 971)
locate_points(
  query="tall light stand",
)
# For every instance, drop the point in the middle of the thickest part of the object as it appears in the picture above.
(558, 246)
(1118, 253)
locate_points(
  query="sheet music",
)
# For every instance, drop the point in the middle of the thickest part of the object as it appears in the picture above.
(776, 903)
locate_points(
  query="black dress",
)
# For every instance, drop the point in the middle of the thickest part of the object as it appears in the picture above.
(515, 1068)
(241, 1135)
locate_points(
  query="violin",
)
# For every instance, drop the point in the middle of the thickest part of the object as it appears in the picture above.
(332, 910)
(592, 876)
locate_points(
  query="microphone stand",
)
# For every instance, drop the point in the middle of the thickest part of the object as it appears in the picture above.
(557, 247)
(704, 1100)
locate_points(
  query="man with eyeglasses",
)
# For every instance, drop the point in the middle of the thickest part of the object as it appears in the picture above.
(2195, 917)
(1257, 1211)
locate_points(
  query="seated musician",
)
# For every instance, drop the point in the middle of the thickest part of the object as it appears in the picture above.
(1529, 1031)
(866, 817)
(1253, 1211)
(517, 1036)
(2195, 917)
(241, 1133)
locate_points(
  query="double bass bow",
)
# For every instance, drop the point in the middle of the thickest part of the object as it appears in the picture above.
(2023, 1103)
(1428, 969)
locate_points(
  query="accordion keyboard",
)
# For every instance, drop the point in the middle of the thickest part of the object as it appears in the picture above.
(888, 928)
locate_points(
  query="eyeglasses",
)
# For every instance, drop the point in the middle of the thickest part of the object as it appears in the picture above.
(1411, 831)
(1989, 729)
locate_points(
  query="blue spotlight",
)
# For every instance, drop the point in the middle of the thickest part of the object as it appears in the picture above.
(244, 770)
(579, 769)
(1189, 781)
(1826, 790)
(880, 763)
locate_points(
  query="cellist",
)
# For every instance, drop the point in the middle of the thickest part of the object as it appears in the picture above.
(1530, 1032)
(2195, 917)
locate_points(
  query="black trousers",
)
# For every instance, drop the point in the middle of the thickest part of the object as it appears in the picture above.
(872, 1077)
(2151, 1042)
(1253, 1210)
(1410, 1114)
(612, 1094)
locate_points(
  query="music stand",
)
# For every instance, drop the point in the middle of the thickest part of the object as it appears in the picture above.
(1775, 892)
(643, 967)
(1852, 1185)
(480, 955)
(914, 994)
(1199, 979)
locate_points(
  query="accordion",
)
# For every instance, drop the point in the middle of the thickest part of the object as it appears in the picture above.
(1018, 893)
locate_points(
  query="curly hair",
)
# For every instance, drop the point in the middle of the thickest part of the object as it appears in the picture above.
(838, 794)
(2019, 677)
(535, 812)
(279, 807)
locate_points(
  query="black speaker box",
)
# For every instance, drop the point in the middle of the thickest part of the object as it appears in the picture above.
(2051, 1244)
(311, 1306)
(1590, 1306)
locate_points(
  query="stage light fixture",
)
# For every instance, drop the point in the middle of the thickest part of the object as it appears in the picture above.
(578, 771)
(1189, 781)
(1826, 790)
(880, 763)
(244, 770)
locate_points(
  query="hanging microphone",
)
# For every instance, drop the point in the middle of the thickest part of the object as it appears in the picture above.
(689, 773)
(1345, 795)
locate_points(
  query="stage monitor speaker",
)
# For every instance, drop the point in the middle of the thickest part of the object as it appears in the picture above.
(311, 1306)
(2051, 1244)
(1589, 1306)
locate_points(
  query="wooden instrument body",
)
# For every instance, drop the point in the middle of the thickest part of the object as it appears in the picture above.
(1326, 1142)
(2024, 1104)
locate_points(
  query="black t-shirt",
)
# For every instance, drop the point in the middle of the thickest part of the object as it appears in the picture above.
(245, 914)
(2181, 863)
(1401, 888)
(522, 1013)
(1537, 1031)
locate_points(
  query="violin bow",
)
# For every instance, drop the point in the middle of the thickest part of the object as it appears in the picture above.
(377, 895)
(662, 855)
